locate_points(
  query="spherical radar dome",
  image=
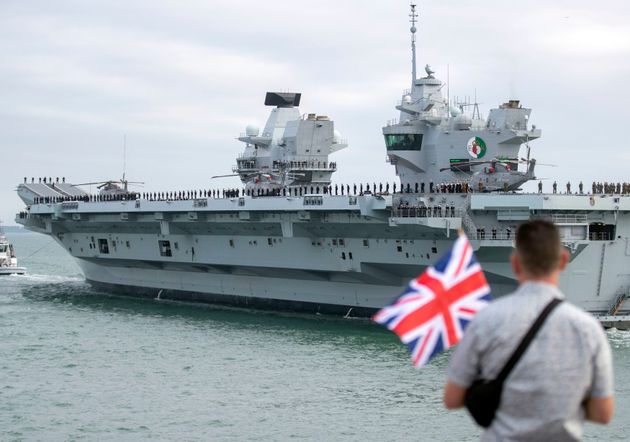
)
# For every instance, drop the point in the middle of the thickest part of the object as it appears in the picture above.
(337, 136)
(252, 130)
(455, 111)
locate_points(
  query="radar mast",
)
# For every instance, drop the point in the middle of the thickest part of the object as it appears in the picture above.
(413, 15)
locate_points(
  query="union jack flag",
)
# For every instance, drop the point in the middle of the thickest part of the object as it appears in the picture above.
(432, 313)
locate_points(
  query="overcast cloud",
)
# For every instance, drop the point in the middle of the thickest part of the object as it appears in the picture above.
(182, 79)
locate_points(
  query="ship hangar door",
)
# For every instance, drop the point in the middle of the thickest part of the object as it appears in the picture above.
(601, 232)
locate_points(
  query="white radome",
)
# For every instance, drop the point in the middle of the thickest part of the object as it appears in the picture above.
(455, 112)
(336, 136)
(252, 130)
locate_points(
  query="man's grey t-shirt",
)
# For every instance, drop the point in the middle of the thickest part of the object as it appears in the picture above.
(568, 360)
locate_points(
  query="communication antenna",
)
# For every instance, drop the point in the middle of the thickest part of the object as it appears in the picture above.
(413, 16)
(476, 112)
(448, 90)
(124, 156)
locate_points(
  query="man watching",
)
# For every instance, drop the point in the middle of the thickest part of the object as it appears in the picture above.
(565, 375)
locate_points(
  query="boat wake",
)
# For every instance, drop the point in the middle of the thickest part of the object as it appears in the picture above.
(619, 338)
(43, 278)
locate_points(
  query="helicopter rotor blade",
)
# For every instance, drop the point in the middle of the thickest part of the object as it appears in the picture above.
(92, 183)
(539, 164)
(224, 176)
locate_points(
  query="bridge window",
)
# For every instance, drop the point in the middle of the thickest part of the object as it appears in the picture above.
(403, 141)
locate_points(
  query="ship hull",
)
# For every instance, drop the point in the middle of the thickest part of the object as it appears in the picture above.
(238, 301)
(323, 296)
(239, 290)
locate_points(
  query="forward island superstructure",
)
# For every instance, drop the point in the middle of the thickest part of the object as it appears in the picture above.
(292, 238)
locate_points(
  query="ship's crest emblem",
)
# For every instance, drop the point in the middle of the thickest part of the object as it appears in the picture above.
(476, 147)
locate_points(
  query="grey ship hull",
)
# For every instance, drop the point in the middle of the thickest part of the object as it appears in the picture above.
(288, 294)
(343, 255)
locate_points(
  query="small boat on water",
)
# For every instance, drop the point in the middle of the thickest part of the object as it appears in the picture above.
(8, 261)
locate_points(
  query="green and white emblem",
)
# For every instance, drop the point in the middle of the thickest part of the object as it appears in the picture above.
(476, 147)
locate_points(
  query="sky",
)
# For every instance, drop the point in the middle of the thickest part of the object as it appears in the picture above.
(180, 80)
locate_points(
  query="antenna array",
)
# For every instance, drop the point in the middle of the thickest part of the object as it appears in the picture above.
(413, 18)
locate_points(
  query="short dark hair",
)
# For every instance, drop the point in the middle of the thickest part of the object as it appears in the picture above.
(539, 247)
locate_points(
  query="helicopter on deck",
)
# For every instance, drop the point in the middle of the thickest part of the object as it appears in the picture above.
(113, 187)
(266, 180)
(497, 174)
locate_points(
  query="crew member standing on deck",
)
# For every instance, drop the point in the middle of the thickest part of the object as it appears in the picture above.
(565, 374)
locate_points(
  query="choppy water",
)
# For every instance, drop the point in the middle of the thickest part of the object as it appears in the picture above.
(76, 364)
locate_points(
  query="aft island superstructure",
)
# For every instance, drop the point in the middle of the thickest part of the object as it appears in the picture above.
(292, 238)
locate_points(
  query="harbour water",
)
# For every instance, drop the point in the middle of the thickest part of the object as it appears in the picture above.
(76, 364)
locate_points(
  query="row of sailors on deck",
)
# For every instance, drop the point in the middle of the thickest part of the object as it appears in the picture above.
(43, 180)
(224, 193)
(460, 187)
(337, 189)
(305, 164)
(343, 189)
(494, 233)
(87, 198)
(596, 188)
(405, 210)
(619, 188)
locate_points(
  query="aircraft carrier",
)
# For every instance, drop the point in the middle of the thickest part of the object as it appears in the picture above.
(291, 238)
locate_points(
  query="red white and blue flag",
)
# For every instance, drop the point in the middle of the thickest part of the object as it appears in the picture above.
(432, 313)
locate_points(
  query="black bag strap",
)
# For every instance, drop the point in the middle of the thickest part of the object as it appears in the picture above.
(527, 339)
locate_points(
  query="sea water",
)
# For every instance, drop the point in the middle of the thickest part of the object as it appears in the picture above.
(78, 364)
